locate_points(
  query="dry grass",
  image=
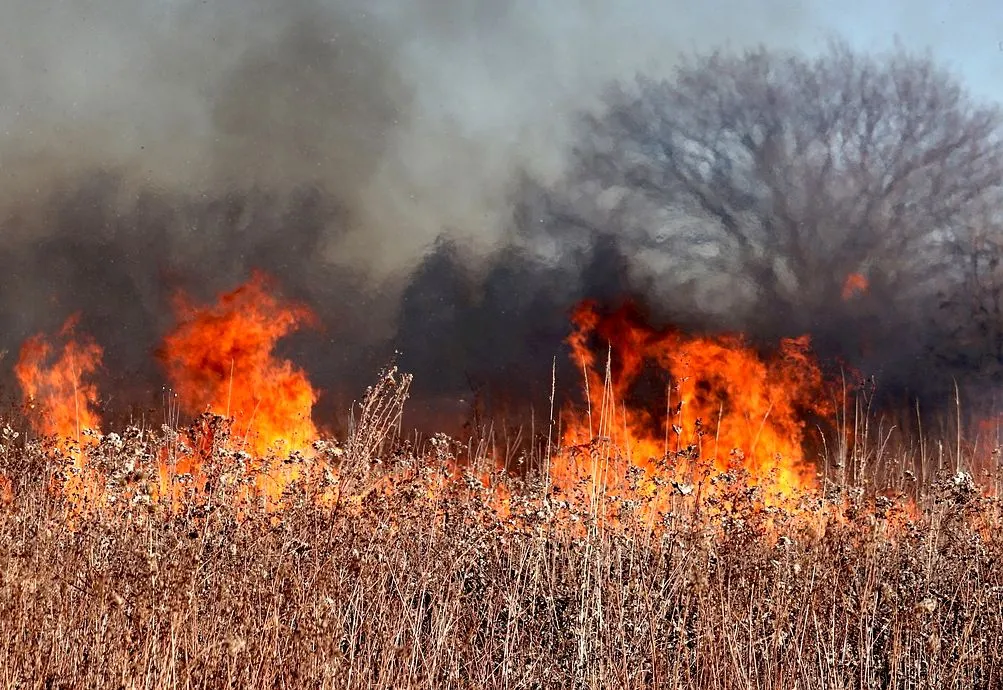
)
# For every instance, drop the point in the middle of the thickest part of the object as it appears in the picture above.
(427, 585)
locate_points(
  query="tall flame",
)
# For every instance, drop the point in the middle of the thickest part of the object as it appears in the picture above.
(61, 401)
(62, 404)
(718, 401)
(221, 358)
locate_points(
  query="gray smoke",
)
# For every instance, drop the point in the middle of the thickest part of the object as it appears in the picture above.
(347, 147)
(159, 145)
(412, 115)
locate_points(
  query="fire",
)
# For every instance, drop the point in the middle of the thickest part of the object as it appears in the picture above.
(668, 414)
(61, 401)
(718, 402)
(221, 359)
(856, 284)
(62, 405)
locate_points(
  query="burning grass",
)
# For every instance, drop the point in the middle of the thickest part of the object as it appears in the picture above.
(639, 548)
(419, 579)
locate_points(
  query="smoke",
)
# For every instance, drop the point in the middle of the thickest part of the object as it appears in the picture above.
(412, 115)
(153, 146)
(372, 156)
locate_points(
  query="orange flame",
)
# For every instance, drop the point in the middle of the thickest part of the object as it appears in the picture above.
(60, 401)
(62, 404)
(856, 284)
(221, 358)
(719, 401)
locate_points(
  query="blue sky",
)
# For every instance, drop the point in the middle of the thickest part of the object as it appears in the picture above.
(964, 36)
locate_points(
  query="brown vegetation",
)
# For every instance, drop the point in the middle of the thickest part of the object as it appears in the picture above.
(425, 577)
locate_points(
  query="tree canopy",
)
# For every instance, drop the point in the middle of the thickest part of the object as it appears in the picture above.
(758, 184)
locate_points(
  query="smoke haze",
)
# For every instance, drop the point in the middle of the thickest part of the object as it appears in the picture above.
(413, 116)
(159, 145)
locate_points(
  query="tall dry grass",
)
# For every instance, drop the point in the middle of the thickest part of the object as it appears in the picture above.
(429, 579)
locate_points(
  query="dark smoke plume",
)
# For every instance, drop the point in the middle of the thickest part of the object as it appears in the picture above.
(148, 147)
(393, 164)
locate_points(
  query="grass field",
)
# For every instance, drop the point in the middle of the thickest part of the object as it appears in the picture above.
(422, 575)
(690, 542)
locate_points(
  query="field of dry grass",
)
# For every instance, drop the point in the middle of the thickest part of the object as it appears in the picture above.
(429, 579)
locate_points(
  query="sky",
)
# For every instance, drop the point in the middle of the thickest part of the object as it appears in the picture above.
(964, 36)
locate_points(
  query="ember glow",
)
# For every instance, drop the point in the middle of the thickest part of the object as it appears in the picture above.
(6, 490)
(856, 284)
(717, 402)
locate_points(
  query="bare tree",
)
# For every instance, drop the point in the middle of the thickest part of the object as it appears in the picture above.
(789, 175)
